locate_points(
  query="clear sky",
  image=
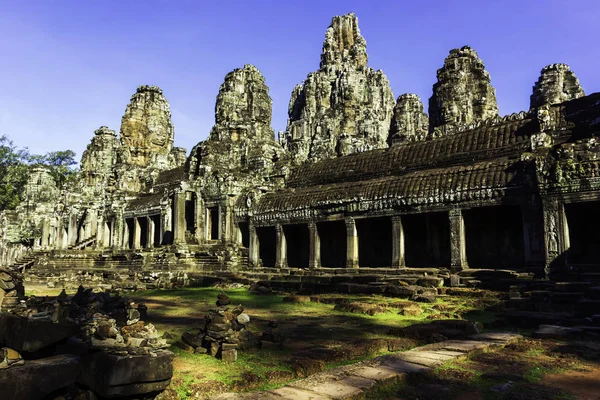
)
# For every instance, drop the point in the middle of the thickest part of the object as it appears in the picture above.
(70, 66)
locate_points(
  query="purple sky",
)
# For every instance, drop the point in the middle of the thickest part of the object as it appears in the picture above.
(69, 67)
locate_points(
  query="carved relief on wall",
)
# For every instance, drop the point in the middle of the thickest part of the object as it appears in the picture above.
(551, 213)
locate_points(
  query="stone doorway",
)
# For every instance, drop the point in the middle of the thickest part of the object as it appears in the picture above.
(494, 237)
(333, 243)
(298, 246)
(584, 236)
(190, 213)
(130, 230)
(212, 223)
(244, 234)
(155, 221)
(143, 234)
(427, 239)
(267, 239)
(374, 242)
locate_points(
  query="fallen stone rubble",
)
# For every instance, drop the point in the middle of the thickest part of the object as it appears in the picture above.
(223, 333)
(90, 341)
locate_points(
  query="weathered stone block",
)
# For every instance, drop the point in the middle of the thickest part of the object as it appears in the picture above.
(112, 375)
(229, 356)
(27, 335)
(37, 378)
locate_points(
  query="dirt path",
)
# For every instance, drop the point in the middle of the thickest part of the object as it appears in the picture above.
(584, 385)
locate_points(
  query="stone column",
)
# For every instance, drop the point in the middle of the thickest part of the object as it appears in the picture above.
(556, 236)
(117, 235)
(398, 243)
(253, 246)
(45, 234)
(458, 250)
(125, 236)
(100, 232)
(163, 225)
(199, 215)
(227, 234)
(60, 237)
(314, 260)
(72, 232)
(222, 221)
(53, 234)
(150, 232)
(37, 242)
(108, 231)
(137, 233)
(351, 244)
(179, 218)
(280, 247)
(92, 226)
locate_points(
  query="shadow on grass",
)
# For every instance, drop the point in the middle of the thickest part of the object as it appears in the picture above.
(298, 321)
(519, 371)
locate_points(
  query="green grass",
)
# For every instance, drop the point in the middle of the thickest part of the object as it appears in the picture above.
(177, 311)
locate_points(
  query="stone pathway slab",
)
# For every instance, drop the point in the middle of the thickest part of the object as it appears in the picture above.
(288, 392)
(354, 382)
(378, 374)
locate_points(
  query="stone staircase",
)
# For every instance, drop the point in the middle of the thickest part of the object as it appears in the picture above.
(27, 260)
(83, 244)
(575, 305)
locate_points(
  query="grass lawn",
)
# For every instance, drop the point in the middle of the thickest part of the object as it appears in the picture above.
(314, 333)
(526, 370)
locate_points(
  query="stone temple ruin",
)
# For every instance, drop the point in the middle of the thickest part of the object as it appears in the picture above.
(359, 188)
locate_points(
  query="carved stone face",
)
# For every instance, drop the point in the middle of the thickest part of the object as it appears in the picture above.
(146, 128)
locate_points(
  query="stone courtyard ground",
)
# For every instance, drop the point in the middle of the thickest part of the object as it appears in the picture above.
(321, 332)
(526, 370)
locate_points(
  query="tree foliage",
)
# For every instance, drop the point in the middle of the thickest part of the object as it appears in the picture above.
(15, 165)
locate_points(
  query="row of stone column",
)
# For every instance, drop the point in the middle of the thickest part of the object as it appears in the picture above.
(457, 239)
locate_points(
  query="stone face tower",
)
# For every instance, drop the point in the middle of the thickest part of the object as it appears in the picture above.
(242, 139)
(345, 106)
(243, 107)
(409, 122)
(344, 44)
(100, 157)
(147, 132)
(463, 93)
(556, 84)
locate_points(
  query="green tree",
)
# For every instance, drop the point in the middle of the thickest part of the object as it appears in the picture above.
(60, 164)
(13, 173)
(15, 165)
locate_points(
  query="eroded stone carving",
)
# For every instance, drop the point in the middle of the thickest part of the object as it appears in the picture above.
(345, 106)
(147, 132)
(556, 84)
(241, 144)
(463, 93)
(409, 122)
(100, 157)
